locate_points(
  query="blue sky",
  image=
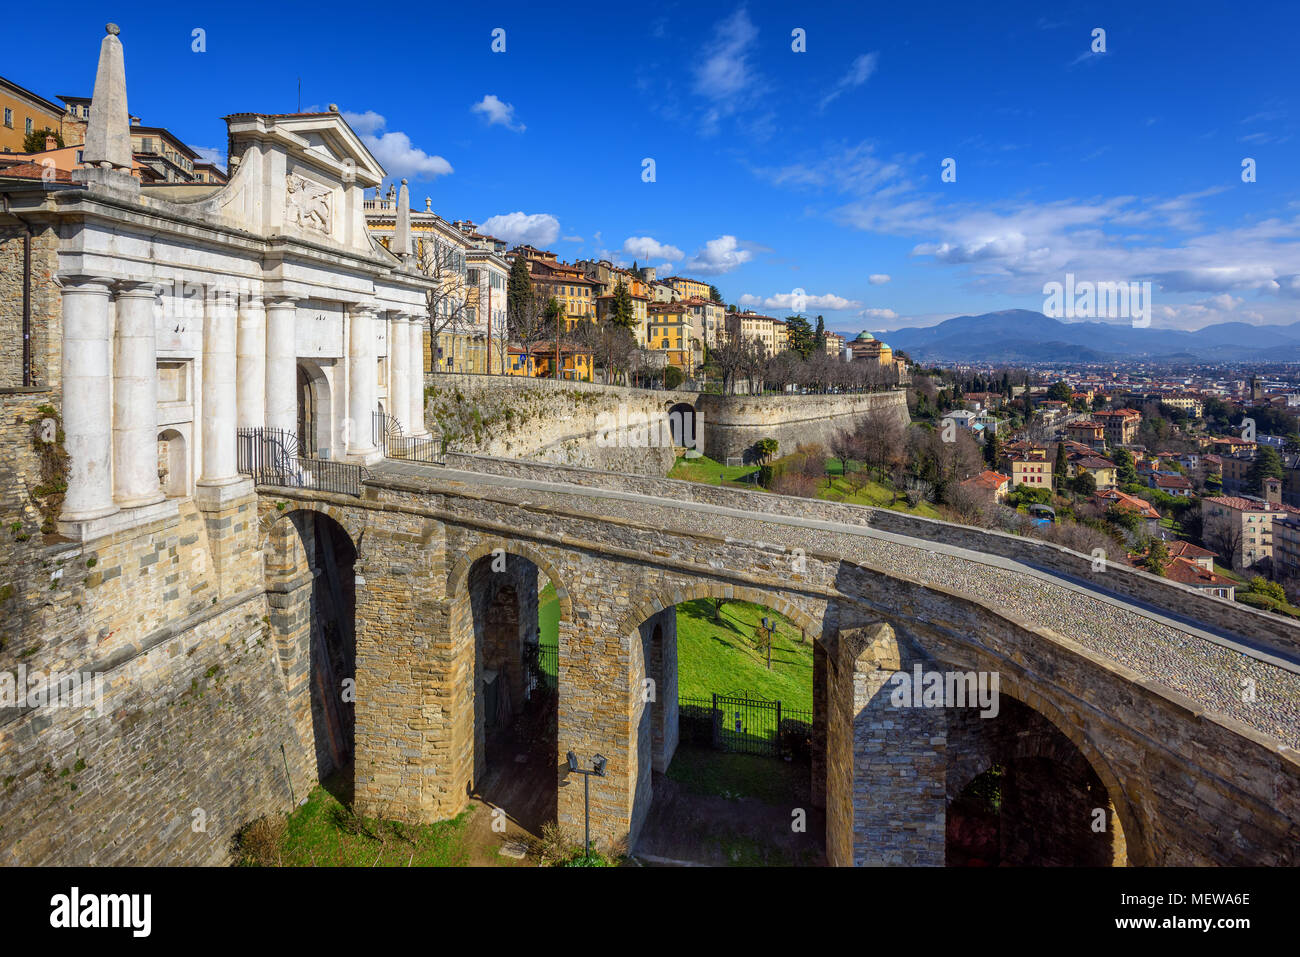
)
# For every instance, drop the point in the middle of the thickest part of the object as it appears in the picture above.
(776, 170)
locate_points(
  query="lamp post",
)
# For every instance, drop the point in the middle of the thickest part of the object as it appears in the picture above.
(598, 769)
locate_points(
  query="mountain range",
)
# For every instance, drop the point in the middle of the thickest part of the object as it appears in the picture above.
(1021, 335)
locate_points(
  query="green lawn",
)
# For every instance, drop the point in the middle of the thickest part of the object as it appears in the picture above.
(323, 833)
(704, 469)
(723, 774)
(719, 656)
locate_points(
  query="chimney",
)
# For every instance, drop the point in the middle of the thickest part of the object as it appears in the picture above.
(50, 142)
(108, 133)
(1273, 490)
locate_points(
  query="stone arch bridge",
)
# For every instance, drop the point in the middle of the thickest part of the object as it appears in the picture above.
(1179, 712)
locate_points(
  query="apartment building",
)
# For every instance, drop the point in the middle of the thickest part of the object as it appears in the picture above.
(1120, 425)
(1032, 468)
(688, 288)
(669, 330)
(23, 112)
(1241, 529)
(709, 319)
(767, 330)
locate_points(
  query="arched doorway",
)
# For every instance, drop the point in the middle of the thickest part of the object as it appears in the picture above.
(681, 418)
(306, 411)
(173, 464)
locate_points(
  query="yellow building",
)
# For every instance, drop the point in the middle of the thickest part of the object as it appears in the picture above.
(576, 362)
(23, 112)
(688, 288)
(768, 331)
(669, 330)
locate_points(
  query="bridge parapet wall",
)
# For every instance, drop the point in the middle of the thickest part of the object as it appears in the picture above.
(1268, 631)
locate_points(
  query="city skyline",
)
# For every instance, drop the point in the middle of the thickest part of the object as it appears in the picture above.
(778, 171)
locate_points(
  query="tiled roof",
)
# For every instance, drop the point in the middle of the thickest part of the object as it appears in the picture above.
(1187, 572)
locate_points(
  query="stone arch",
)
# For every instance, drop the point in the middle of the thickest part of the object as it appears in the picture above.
(173, 463)
(315, 410)
(684, 424)
(351, 521)
(458, 577)
(1131, 838)
(705, 588)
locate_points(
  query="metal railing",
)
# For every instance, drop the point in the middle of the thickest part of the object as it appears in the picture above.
(746, 723)
(395, 444)
(274, 457)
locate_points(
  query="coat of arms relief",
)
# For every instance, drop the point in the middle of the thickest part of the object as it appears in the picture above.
(307, 204)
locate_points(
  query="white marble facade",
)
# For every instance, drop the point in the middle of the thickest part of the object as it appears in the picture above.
(189, 313)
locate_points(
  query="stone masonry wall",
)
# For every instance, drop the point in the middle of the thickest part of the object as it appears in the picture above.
(46, 325)
(734, 423)
(549, 421)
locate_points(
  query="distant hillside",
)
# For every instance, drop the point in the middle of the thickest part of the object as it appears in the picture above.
(1020, 335)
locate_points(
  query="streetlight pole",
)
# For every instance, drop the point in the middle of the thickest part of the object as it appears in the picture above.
(597, 768)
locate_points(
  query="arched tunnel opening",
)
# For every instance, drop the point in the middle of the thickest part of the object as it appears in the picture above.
(731, 771)
(516, 691)
(1021, 793)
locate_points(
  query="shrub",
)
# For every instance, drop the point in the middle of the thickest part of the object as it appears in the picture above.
(260, 843)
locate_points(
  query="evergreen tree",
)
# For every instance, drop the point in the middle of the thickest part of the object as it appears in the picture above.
(820, 335)
(1125, 473)
(992, 448)
(715, 295)
(622, 314)
(1267, 464)
(519, 293)
(800, 336)
(1062, 466)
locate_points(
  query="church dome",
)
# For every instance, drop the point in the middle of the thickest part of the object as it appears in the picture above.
(864, 336)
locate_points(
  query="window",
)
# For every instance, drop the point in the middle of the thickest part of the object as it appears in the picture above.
(29, 124)
(9, 118)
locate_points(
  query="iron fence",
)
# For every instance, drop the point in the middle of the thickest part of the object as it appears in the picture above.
(541, 669)
(274, 457)
(745, 723)
(395, 444)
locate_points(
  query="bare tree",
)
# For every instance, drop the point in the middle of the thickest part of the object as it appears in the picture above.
(448, 299)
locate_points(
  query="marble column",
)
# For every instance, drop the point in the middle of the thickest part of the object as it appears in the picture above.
(87, 400)
(282, 367)
(219, 391)
(250, 363)
(399, 368)
(361, 382)
(415, 426)
(135, 398)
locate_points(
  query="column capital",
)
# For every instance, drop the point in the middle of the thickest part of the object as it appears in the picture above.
(137, 288)
(94, 285)
(363, 309)
(279, 301)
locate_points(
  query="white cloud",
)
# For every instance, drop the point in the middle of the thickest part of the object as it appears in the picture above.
(859, 72)
(497, 113)
(718, 256)
(878, 278)
(665, 269)
(878, 314)
(571, 239)
(211, 154)
(647, 247)
(723, 75)
(536, 229)
(393, 150)
(798, 302)
(365, 123)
